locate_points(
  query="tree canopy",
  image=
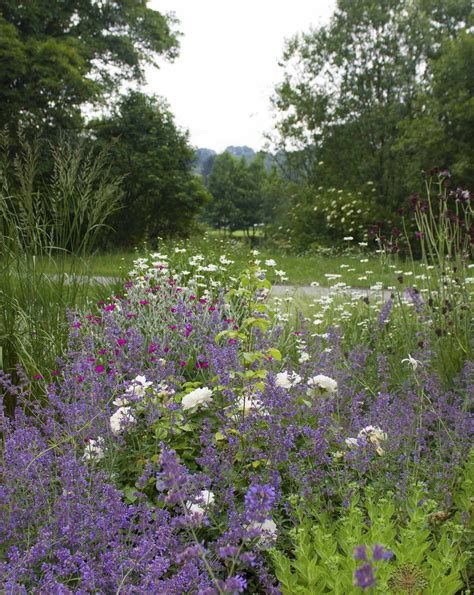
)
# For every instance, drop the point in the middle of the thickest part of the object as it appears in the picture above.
(56, 55)
(349, 85)
(238, 189)
(154, 158)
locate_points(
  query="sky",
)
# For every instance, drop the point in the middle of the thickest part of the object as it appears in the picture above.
(219, 87)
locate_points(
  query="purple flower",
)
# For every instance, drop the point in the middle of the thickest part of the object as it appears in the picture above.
(364, 576)
(259, 500)
(380, 553)
(360, 552)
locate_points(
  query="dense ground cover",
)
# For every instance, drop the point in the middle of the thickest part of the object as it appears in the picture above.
(196, 437)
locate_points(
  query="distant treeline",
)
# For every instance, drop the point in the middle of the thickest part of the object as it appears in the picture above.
(366, 103)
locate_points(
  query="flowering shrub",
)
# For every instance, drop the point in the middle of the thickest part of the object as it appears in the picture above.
(330, 217)
(182, 423)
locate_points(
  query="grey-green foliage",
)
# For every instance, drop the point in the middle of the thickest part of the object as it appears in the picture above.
(433, 552)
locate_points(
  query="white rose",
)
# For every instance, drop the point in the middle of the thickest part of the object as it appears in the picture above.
(286, 380)
(323, 382)
(268, 530)
(205, 497)
(123, 414)
(199, 397)
(372, 433)
(94, 450)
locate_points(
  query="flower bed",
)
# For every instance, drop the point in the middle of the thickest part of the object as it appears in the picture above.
(189, 426)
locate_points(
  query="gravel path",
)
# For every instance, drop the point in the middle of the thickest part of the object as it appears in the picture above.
(319, 291)
(307, 291)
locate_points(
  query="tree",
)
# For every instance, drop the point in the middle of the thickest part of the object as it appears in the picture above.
(162, 195)
(442, 130)
(349, 84)
(56, 55)
(237, 189)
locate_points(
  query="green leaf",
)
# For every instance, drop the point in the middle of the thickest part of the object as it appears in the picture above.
(275, 354)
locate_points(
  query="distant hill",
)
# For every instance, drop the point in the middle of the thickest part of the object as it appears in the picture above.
(246, 152)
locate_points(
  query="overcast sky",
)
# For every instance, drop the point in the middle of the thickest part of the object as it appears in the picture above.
(219, 86)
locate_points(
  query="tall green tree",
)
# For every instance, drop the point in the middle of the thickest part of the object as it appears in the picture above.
(442, 130)
(162, 194)
(238, 191)
(56, 55)
(349, 84)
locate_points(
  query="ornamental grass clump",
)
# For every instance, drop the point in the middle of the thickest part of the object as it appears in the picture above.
(46, 218)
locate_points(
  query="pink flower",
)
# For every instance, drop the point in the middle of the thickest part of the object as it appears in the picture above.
(99, 369)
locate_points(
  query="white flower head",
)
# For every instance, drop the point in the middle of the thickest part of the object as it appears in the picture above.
(138, 386)
(121, 401)
(351, 442)
(414, 363)
(121, 418)
(246, 404)
(201, 397)
(287, 380)
(270, 262)
(304, 357)
(268, 531)
(324, 383)
(163, 390)
(94, 450)
(205, 498)
(375, 436)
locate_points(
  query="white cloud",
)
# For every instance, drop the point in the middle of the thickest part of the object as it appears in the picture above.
(219, 87)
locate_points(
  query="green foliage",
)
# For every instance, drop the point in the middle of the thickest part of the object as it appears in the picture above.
(242, 193)
(428, 552)
(58, 55)
(325, 217)
(348, 85)
(154, 157)
(441, 129)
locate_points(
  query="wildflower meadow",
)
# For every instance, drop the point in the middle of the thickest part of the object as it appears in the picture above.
(236, 297)
(199, 435)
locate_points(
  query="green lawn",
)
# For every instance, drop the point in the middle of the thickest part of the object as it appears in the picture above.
(358, 270)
